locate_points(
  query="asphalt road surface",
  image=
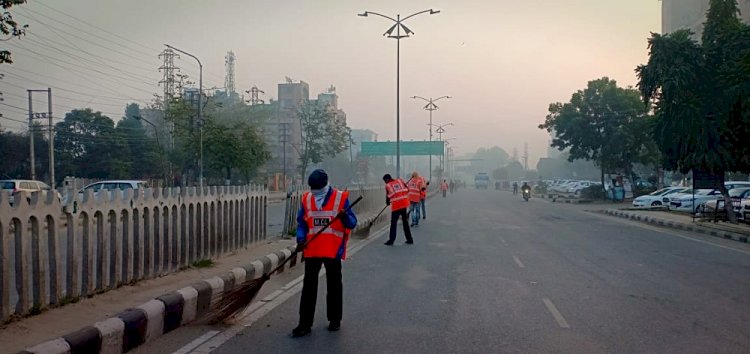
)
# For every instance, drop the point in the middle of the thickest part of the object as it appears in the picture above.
(491, 273)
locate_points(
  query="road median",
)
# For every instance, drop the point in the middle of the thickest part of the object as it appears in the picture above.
(679, 222)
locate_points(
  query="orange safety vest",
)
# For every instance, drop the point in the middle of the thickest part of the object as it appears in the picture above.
(415, 189)
(398, 194)
(327, 244)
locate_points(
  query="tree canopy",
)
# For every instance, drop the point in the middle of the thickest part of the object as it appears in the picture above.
(603, 123)
(323, 135)
(9, 27)
(699, 93)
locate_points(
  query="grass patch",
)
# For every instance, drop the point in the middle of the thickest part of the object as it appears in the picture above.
(69, 300)
(36, 310)
(203, 263)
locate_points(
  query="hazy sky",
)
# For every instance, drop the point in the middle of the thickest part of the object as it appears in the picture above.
(503, 61)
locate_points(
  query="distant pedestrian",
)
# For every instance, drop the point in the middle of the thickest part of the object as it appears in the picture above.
(452, 186)
(397, 196)
(515, 188)
(444, 187)
(320, 206)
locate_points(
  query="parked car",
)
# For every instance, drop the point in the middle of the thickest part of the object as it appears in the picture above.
(114, 185)
(687, 202)
(25, 185)
(657, 198)
(738, 195)
(576, 187)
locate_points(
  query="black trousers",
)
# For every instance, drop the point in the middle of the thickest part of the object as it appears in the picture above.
(401, 213)
(334, 298)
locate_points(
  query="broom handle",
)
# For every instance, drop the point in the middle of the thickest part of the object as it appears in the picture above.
(281, 265)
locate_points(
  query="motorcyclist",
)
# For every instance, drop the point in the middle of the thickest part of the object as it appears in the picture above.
(526, 188)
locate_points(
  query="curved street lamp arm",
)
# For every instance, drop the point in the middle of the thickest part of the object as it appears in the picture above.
(186, 53)
(440, 98)
(421, 98)
(418, 13)
(367, 13)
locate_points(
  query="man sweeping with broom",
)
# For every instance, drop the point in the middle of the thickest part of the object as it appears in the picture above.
(321, 206)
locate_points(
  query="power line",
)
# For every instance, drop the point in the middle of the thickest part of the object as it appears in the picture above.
(194, 65)
(60, 88)
(96, 27)
(43, 57)
(58, 30)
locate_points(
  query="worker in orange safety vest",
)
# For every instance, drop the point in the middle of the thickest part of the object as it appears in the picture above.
(321, 206)
(415, 196)
(397, 196)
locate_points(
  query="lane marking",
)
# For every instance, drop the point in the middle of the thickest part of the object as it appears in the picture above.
(555, 313)
(518, 262)
(662, 230)
(195, 343)
(259, 309)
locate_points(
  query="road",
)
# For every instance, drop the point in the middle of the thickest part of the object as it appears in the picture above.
(491, 273)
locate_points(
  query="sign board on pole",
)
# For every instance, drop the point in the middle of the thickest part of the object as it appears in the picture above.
(705, 180)
(408, 148)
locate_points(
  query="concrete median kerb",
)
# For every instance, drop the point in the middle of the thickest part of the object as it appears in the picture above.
(159, 316)
(740, 237)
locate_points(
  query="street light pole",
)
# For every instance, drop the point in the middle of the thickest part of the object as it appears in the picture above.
(431, 106)
(161, 148)
(200, 107)
(440, 130)
(389, 33)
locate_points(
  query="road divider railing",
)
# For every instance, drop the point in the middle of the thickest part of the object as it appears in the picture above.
(53, 252)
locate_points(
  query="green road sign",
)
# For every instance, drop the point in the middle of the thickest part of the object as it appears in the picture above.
(408, 148)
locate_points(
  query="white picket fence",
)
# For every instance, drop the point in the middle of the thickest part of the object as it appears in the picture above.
(53, 251)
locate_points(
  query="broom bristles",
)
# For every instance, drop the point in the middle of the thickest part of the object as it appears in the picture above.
(235, 300)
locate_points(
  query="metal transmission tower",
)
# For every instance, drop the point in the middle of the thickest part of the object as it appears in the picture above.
(255, 96)
(229, 64)
(168, 68)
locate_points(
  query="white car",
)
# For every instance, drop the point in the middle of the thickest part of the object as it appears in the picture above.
(116, 185)
(689, 203)
(657, 198)
(14, 186)
(739, 196)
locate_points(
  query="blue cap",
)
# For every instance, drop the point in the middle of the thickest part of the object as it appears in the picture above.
(318, 179)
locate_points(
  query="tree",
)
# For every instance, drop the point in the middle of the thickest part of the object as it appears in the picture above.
(234, 146)
(323, 135)
(699, 93)
(145, 154)
(603, 123)
(489, 159)
(9, 27)
(88, 145)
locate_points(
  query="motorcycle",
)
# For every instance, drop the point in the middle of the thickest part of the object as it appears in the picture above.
(526, 193)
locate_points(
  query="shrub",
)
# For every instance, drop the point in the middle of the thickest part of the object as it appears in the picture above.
(593, 192)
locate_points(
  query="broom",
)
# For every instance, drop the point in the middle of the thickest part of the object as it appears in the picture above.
(239, 297)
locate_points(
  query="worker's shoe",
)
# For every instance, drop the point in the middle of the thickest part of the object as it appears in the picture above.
(410, 242)
(388, 243)
(334, 326)
(301, 332)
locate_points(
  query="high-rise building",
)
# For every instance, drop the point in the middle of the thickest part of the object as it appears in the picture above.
(283, 131)
(691, 14)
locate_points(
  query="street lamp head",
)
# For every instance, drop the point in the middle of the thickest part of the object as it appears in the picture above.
(434, 12)
(364, 14)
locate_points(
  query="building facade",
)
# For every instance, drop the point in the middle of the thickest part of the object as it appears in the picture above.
(691, 14)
